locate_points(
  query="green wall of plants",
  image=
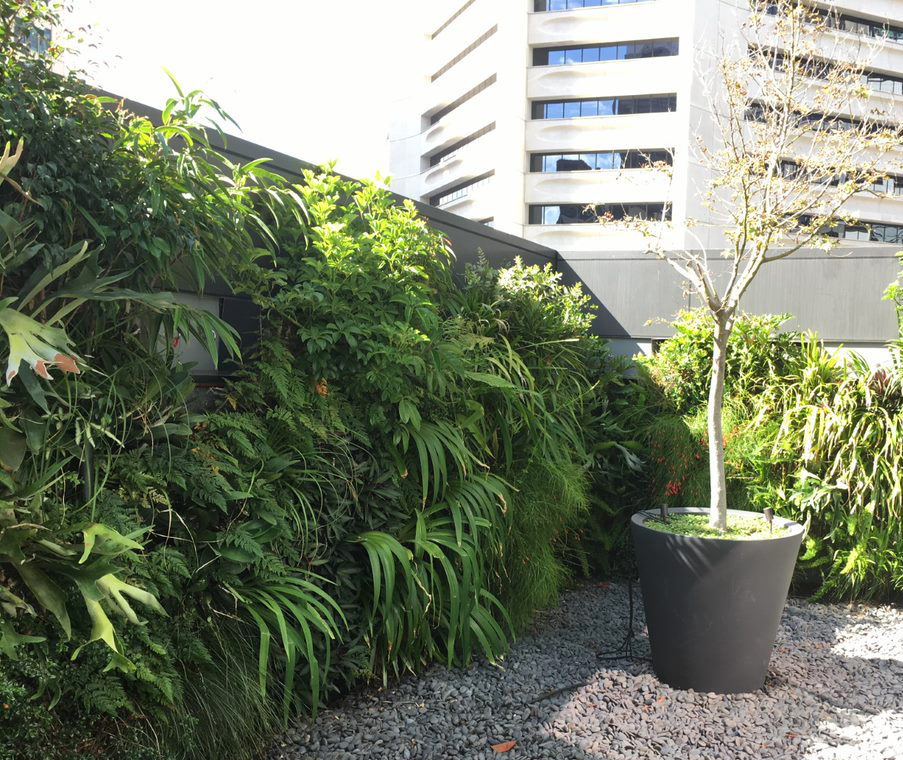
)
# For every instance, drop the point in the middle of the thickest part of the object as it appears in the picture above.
(401, 470)
(404, 465)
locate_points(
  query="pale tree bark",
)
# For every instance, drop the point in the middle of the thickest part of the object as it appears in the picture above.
(718, 482)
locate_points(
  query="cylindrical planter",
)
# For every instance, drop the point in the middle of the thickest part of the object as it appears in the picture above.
(713, 605)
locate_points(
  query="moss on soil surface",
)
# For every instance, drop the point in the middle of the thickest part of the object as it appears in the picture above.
(738, 528)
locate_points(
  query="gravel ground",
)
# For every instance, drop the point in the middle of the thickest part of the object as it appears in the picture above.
(834, 692)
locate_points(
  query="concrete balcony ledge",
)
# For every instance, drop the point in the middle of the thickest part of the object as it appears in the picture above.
(600, 24)
(590, 237)
(589, 133)
(616, 186)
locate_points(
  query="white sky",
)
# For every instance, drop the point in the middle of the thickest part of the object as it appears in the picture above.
(316, 79)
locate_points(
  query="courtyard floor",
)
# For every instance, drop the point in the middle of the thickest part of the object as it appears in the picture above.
(834, 692)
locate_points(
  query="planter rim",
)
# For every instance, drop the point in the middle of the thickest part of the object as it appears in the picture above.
(793, 527)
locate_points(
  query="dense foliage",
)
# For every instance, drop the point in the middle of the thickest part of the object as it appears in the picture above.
(402, 468)
(813, 435)
(408, 459)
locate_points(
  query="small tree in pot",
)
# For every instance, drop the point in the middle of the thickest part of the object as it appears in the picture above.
(797, 130)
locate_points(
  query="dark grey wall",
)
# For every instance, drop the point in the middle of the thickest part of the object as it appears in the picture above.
(838, 295)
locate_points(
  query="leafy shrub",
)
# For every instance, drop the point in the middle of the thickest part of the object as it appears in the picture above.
(758, 353)
(840, 437)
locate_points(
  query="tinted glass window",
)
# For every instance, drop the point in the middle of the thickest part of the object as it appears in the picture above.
(602, 160)
(609, 52)
(560, 5)
(570, 109)
(575, 213)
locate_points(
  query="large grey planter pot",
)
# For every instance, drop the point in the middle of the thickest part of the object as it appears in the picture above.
(713, 605)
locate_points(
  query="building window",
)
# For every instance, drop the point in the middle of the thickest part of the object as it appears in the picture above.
(586, 213)
(602, 160)
(570, 109)
(852, 24)
(565, 5)
(437, 158)
(862, 231)
(461, 190)
(616, 51)
(818, 122)
(865, 26)
(821, 69)
(37, 40)
(873, 232)
(890, 184)
(883, 82)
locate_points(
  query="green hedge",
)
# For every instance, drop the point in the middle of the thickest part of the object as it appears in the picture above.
(401, 470)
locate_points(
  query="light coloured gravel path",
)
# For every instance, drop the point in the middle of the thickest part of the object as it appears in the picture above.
(835, 692)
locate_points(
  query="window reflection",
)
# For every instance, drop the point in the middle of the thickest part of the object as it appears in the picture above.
(583, 213)
(564, 5)
(618, 51)
(608, 160)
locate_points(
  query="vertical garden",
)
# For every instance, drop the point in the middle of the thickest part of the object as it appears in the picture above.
(402, 465)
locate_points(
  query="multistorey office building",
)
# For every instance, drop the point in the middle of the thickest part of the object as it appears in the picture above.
(537, 116)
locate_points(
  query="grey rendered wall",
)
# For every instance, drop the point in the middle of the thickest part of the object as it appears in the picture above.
(837, 295)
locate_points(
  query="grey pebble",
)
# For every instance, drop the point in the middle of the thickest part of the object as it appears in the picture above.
(834, 692)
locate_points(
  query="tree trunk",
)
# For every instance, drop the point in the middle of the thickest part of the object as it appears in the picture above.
(718, 501)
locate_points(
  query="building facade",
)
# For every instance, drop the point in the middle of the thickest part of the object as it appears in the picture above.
(535, 116)
(534, 110)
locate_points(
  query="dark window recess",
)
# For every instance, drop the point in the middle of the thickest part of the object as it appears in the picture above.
(858, 25)
(853, 24)
(820, 69)
(891, 184)
(564, 5)
(871, 232)
(584, 213)
(437, 158)
(464, 53)
(35, 38)
(462, 100)
(886, 83)
(569, 109)
(616, 51)
(601, 160)
(817, 121)
(460, 190)
(452, 18)
(244, 316)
